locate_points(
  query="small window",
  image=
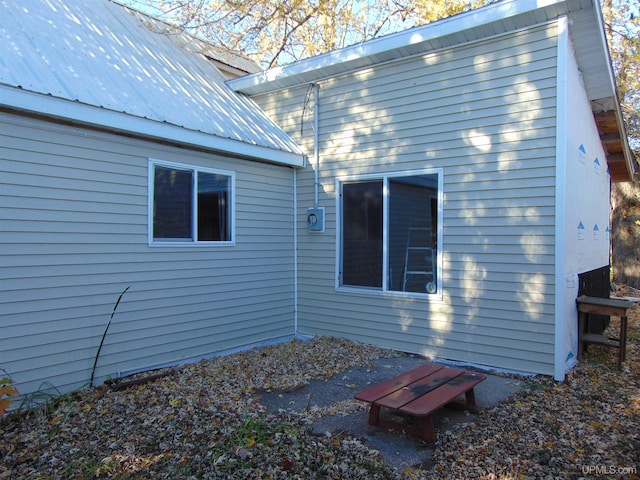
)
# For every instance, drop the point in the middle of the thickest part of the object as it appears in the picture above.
(189, 204)
(389, 232)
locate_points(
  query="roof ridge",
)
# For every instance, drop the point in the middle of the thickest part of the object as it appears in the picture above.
(218, 53)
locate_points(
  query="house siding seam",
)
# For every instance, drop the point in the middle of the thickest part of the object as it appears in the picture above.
(485, 114)
(73, 210)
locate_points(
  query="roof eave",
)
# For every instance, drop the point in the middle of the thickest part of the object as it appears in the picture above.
(609, 118)
(23, 101)
(396, 45)
(621, 161)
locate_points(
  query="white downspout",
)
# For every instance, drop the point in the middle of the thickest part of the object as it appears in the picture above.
(295, 252)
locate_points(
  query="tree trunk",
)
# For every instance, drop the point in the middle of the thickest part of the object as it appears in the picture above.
(625, 234)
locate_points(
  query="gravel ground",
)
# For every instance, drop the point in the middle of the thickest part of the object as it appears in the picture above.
(204, 420)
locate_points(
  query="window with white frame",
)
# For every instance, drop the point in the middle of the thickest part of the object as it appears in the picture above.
(189, 204)
(389, 232)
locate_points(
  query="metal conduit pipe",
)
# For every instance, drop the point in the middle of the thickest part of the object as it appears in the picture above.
(316, 150)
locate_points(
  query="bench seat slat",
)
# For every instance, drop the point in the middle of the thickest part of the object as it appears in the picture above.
(427, 404)
(419, 388)
(380, 390)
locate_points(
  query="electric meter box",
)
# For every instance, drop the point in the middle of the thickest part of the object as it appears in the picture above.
(315, 219)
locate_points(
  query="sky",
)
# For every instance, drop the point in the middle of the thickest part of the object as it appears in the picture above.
(145, 6)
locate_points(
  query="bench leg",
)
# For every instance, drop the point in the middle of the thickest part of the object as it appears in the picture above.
(374, 415)
(470, 397)
(623, 340)
(427, 431)
(582, 320)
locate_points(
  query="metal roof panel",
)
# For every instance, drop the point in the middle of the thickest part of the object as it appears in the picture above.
(105, 55)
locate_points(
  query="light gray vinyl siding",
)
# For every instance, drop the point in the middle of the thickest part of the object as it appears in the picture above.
(73, 211)
(485, 114)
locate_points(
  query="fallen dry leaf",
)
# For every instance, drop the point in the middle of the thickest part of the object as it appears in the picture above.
(204, 420)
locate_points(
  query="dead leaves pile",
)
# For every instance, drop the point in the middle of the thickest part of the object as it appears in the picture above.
(586, 427)
(204, 421)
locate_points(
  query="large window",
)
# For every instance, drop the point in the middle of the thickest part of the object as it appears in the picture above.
(189, 204)
(389, 232)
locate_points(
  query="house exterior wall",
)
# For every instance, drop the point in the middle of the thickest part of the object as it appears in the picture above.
(584, 191)
(484, 115)
(73, 207)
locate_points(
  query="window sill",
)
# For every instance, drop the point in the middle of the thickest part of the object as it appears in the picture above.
(192, 244)
(369, 292)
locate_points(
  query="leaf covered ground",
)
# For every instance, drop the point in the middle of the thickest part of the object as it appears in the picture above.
(204, 421)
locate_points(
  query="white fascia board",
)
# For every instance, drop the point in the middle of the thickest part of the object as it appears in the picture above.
(20, 100)
(451, 25)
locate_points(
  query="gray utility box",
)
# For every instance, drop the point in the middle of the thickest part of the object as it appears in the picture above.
(315, 219)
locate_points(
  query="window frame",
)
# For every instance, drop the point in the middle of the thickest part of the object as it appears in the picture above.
(385, 177)
(152, 164)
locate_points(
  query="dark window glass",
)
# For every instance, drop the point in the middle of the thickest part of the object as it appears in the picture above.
(411, 222)
(362, 234)
(172, 204)
(191, 205)
(213, 207)
(412, 234)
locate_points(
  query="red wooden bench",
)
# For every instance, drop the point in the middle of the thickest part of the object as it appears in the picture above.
(419, 393)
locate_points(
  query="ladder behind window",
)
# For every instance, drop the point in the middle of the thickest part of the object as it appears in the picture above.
(420, 259)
